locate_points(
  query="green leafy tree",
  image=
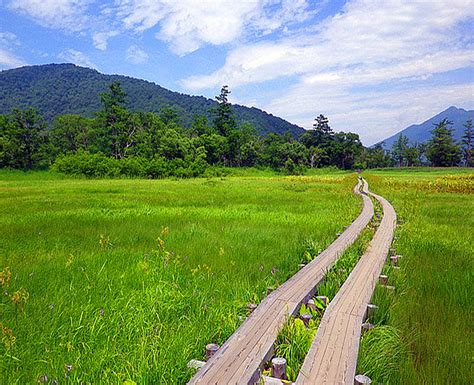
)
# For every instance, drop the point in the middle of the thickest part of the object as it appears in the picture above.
(24, 140)
(412, 156)
(376, 157)
(345, 148)
(467, 141)
(442, 150)
(70, 133)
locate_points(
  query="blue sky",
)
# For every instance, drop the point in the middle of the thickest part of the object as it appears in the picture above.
(373, 67)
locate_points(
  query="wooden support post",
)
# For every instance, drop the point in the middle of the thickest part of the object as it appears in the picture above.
(211, 349)
(383, 279)
(251, 307)
(306, 318)
(301, 265)
(394, 260)
(338, 234)
(361, 379)
(312, 305)
(279, 368)
(269, 290)
(371, 308)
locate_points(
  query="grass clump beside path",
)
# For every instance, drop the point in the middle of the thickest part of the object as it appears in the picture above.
(115, 280)
(429, 317)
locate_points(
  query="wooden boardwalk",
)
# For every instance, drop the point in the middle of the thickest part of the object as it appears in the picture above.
(241, 358)
(332, 358)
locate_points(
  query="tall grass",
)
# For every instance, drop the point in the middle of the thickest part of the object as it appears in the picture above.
(116, 280)
(431, 310)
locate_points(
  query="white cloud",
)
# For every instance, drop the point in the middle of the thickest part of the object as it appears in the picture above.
(100, 39)
(374, 114)
(62, 14)
(8, 38)
(189, 24)
(341, 64)
(77, 57)
(9, 60)
(136, 55)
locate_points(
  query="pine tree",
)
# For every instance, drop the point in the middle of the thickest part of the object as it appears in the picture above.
(321, 124)
(224, 120)
(467, 140)
(442, 150)
(399, 149)
(117, 127)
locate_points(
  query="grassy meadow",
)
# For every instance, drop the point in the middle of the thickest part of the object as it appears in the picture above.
(109, 280)
(426, 325)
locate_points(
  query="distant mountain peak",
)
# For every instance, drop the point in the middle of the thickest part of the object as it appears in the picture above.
(421, 133)
(72, 89)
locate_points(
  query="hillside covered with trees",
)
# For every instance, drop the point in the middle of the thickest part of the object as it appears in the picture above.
(117, 141)
(58, 89)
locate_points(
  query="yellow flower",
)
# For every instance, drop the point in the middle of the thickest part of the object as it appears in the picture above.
(165, 231)
(20, 298)
(5, 277)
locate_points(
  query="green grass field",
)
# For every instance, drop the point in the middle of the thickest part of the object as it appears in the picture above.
(428, 334)
(115, 280)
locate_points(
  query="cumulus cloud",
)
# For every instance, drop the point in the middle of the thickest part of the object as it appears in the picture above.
(7, 58)
(136, 55)
(339, 63)
(77, 57)
(189, 24)
(100, 39)
(63, 14)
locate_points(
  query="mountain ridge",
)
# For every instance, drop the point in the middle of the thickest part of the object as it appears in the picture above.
(56, 89)
(421, 133)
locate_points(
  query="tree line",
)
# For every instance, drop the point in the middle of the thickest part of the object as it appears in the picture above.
(117, 141)
(440, 151)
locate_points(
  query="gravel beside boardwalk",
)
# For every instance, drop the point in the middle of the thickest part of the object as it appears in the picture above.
(332, 358)
(240, 359)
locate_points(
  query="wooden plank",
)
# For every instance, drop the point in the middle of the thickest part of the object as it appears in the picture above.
(240, 359)
(332, 358)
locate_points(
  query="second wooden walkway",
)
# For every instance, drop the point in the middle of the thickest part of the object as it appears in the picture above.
(332, 358)
(241, 358)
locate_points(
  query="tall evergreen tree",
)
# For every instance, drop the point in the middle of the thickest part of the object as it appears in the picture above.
(224, 119)
(467, 141)
(23, 140)
(321, 124)
(399, 150)
(117, 129)
(442, 150)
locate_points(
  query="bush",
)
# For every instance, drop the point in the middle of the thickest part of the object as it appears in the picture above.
(90, 165)
(99, 165)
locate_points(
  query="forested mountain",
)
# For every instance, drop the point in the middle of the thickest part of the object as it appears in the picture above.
(57, 89)
(421, 133)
